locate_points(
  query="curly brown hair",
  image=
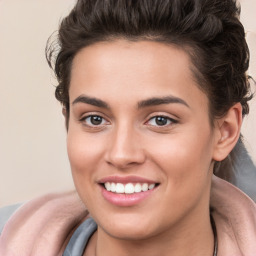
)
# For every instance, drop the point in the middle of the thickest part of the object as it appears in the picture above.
(209, 31)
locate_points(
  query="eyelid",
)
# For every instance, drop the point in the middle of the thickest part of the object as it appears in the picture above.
(90, 114)
(172, 120)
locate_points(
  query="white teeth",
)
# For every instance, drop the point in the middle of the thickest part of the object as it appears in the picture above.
(128, 188)
(113, 187)
(108, 186)
(151, 186)
(119, 188)
(137, 188)
(144, 187)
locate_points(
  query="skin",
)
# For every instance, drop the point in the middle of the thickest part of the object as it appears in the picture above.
(128, 141)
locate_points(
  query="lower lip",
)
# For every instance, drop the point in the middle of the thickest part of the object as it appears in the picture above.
(126, 199)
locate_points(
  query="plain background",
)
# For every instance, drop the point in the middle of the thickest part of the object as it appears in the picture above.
(33, 158)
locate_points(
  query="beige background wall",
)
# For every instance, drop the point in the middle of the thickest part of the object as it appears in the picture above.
(32, 136)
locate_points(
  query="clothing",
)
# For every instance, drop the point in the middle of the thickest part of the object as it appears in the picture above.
(5, 214)
(55, 217)
(78, 240)
(43, 225)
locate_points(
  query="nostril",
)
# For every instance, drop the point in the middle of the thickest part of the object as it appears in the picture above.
(123, 151)
(125, 161)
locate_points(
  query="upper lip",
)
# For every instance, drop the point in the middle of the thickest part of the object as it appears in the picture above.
(126, 179)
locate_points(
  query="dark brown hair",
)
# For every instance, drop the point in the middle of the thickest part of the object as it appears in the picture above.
(208, 30)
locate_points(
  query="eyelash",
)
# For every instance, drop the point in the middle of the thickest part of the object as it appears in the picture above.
(83, 120)
(167, 121)
(170, 121)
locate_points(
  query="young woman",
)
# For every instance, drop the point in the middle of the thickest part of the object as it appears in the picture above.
(153, 94)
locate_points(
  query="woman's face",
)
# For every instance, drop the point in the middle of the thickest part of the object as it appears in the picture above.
(139, 127)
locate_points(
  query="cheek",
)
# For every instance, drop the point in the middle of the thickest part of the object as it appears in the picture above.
(82, 149)
(185, 164)
(185, 159)
(78, 154)
(84, 155)
(181, 151)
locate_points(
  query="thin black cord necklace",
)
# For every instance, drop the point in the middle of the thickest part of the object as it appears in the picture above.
(215, 236)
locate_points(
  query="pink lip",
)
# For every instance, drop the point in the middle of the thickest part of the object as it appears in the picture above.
(126, 179)
(125, 199)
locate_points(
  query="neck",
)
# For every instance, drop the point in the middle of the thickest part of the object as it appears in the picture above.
(194, 238)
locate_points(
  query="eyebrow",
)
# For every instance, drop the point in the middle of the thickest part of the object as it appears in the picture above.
(162, 100)
(142, 104)
(90, 100)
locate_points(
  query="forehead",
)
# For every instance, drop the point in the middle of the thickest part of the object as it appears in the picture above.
(128, 55)
(143, 68)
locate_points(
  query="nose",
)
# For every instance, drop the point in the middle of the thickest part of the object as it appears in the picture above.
(125, 149)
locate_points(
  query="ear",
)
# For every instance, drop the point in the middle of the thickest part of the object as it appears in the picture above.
(65, 114)
(227, 130)
(64, 111)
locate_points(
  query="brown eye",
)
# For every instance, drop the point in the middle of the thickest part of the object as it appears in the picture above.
(94, 120)
(161, 121)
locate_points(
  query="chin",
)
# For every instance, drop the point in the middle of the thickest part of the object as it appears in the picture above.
(132, 233)
(128, 228)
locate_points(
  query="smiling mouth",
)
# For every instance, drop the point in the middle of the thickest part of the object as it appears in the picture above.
(128, 188)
